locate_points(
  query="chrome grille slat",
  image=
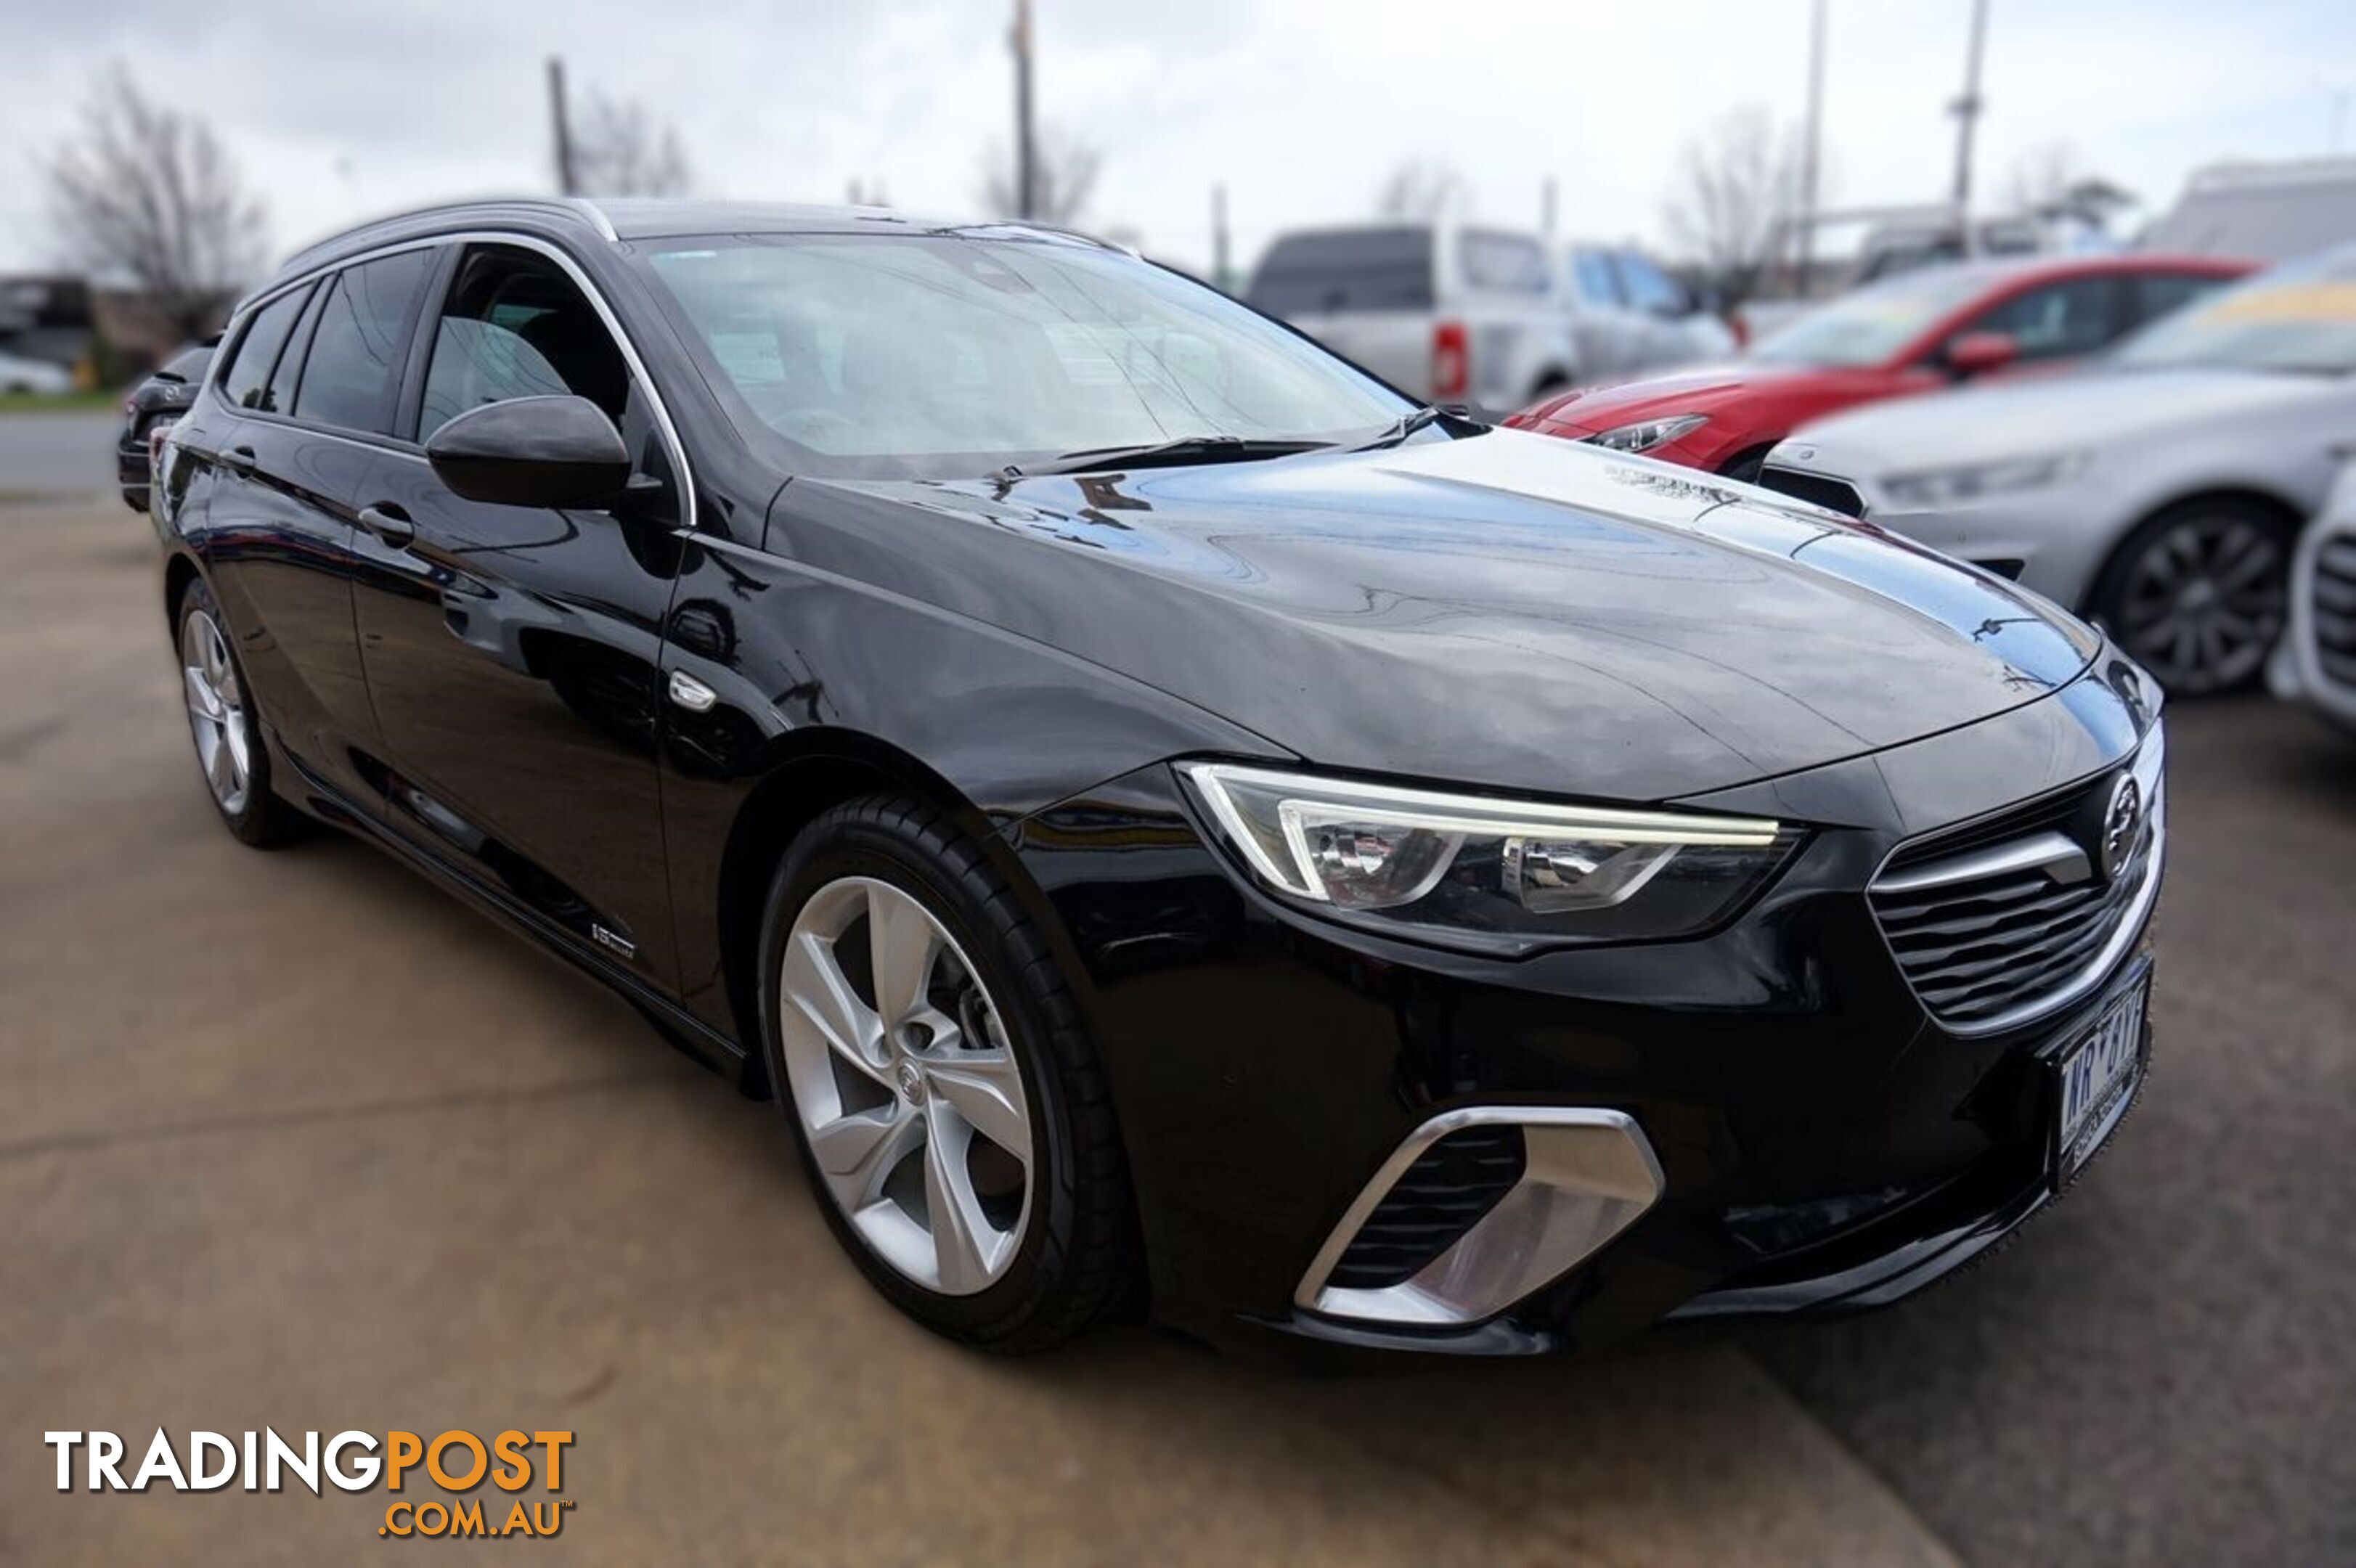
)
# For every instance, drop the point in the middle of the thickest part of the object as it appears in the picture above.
(1999, 920)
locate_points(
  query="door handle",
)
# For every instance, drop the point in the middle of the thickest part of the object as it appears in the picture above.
(237, 460)
(388, 523)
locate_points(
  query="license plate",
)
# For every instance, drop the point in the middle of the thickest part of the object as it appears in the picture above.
(2097, 1072)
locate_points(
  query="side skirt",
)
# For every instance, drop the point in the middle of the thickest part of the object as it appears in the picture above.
(679, 1028)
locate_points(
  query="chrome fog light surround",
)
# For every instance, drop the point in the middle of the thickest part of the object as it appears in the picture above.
(1587, 1175)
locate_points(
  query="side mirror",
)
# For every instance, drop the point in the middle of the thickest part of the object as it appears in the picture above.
(1977, 353)
(532, 452)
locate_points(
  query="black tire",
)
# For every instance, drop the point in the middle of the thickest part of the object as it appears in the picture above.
(260, 819)
(2128, 598)
(1076, 1259)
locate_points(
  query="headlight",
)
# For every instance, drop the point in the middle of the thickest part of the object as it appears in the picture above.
(1647, 434)
(1474, 866)
(1956, 486)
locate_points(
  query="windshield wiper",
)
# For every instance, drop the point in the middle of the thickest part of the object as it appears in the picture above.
(1430, 415)
(1164, 453)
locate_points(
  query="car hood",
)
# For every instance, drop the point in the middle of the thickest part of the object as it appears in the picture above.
(1699, 390)
(2096, 408)
(1506, 610)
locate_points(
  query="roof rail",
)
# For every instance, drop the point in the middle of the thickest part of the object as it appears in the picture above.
(580, 209)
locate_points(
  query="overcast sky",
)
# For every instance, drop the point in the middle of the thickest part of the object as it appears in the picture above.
(337, 112)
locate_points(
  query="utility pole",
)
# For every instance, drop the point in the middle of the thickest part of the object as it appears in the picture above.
(1967, 110)
(562, 126)
(1546, 208)
(1812, 150)
(1220, 277)
(1026, 170)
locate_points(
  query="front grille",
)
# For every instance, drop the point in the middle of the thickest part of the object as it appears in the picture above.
(2335, 611)
(1988, 929)
(1436, 1200)
(1835, 494)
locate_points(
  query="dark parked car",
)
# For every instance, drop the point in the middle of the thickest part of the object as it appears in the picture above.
(1172, 822)
(154, 402)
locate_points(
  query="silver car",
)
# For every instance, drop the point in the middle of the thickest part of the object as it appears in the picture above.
(2161, 492)
(2317, 661)
(1444, 312)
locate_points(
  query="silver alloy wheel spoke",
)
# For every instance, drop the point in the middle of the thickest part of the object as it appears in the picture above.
(930, 1075)
(986, 1089)
(2203, 605)
(217, 718)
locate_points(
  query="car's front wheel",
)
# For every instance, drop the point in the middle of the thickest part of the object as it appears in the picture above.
(945, 1098)
(2199, 594)
(222, 723)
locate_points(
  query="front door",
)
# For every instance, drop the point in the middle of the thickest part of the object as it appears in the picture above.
(512, 651)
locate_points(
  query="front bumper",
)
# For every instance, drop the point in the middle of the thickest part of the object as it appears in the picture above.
(1821, 1142)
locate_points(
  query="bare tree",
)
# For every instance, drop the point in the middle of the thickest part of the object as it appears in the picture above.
(620, 149)
(1421, 191)
(1733, 200)
(149, 195)
(1063, 177)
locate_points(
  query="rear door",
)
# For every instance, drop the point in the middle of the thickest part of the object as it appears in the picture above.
(1609, 337)
(1370, 295)
(512, 651)
(278, 531)
(1658, 307)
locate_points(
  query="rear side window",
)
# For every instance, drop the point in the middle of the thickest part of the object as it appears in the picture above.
(247, 375)
(280, 398)
(2056, 321)
(2158, 294)
(1597, 284)
(1503, 263)
(1345, 270)
(1649, 288)
(355, 354)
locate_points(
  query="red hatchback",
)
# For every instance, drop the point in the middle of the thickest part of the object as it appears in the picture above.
(1916, 333)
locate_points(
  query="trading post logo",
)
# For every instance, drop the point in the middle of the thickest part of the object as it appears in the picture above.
(458, 1463)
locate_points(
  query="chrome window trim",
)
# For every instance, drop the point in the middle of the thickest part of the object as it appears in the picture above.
(2149, 766)
(485, 236)
(1588, 1174)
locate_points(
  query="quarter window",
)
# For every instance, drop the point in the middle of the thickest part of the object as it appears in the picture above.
(247, 377)
(355, 354)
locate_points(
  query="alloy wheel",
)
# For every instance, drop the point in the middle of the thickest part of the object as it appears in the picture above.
(906, 1085)
(2202, 603)
(217, 715)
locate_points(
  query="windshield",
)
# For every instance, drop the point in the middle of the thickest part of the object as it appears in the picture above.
(2297, 319)
(941, 355)
(1870, 325)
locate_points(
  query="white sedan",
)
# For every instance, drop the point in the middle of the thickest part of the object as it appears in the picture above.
(19, 374)
(2161, 491)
